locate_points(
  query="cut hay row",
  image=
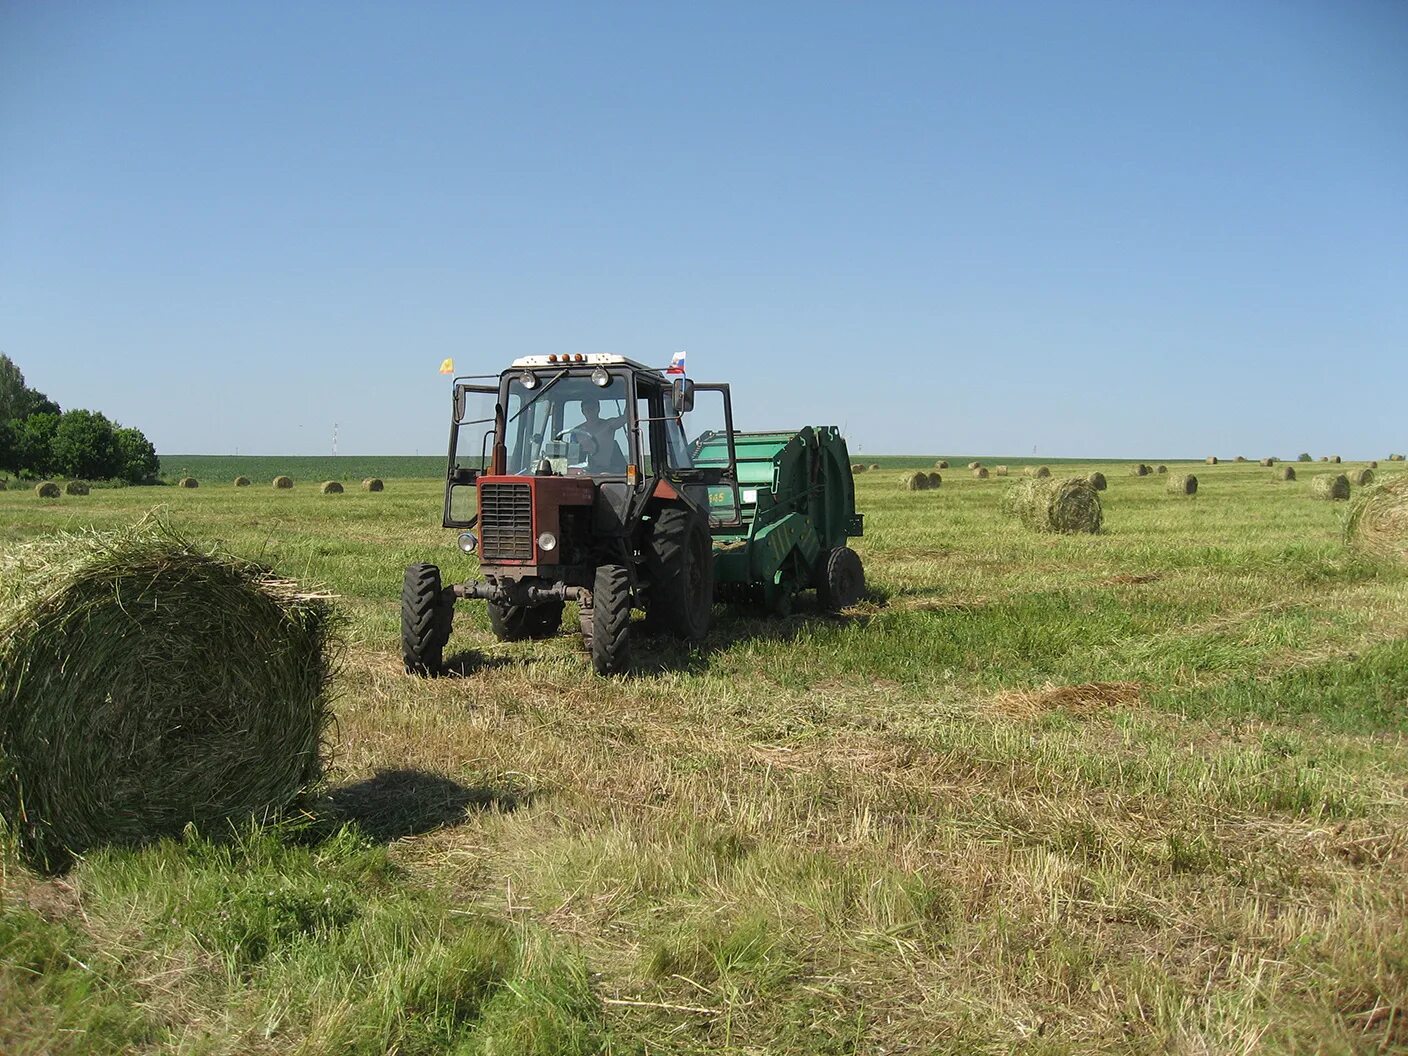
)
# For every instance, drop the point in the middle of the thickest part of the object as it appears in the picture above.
(1048, 504)
(1333, 488)
(1378, 520)
(146, 684)
(1182, 484)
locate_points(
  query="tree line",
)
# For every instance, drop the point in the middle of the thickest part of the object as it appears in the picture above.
(40, 439)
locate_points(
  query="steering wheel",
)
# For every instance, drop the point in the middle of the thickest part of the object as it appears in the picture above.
(584, 439)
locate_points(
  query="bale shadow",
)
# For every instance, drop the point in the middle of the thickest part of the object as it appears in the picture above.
(393, 804)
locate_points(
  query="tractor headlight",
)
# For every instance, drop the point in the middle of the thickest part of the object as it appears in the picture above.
(469, 542)
(601, 377)
(528, 380)
(547, 541)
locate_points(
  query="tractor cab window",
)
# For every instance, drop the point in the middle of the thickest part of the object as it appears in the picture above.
(566, 425)
(699, 440)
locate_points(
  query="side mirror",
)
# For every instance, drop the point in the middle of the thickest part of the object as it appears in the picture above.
(682, 394)
(459, 403)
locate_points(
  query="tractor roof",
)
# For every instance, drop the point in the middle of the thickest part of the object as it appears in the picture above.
(587, 359)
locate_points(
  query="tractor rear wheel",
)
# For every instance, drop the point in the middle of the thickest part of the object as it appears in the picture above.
(426, 618)
(681, 560)
(610, 616)
(514, 623)
(840, 579)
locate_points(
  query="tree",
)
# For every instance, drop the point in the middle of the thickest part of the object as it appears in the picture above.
(136, 457)
(34, 444)
(35, 402)
(85, 446)
(9, 449)
(12, 388)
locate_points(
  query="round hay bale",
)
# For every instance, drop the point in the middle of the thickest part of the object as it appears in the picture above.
(999, 471)
(1397, 458)
(1334, 488)
(1055, 505)
(858, 468)
(1161, 469)
(1098, 481)
(373, 484)
(188, 482)
(980, 472)
(914, 482)
(146, 684)
(1268, 462)
(1336, 459)
(1182, 484)
(1286, 473)
(941, 464)
(934, 480)
(241, 482)
(974, 465)
(1037, 471)
(1324, 458)
(1374, 464)
(1211, 460)
(76, 487)
(1362, 477)
(330, 487)
(875, 465)
(283, 483)
(1378, 520)
(1239, 458)
(47, 490)
(1141, 470)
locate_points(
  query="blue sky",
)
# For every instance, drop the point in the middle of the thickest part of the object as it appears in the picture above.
(1103, 229)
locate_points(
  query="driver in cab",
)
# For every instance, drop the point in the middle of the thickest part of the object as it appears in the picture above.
(597, 435)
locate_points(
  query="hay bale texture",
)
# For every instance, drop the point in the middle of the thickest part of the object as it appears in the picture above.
(1334, 488)
(1336, 459)
(1362, 477)
(1286, 473)
(1182, 484)
(1141, 470)
(941, 464)
(875, 465)
(373, 484)
(1268, 462)
(858, 468)
(914, 482)
(1098, 481)
(1037, 471)
(1161, 469)
(147, 683)
(330, 487)
(283, 483)
(188, 482)
(999, 471)
(241, 482)
(1378, 520)
(1211, 460)
(974, 465)
(1048, 504)
(47, 489)
(934, 480)
(76, 487)
(980, 472)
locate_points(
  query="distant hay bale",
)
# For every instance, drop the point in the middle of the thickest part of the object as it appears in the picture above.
(47, 490)
(330, 487)
(858, 468)
(1336, 459)
(1239, 458)
(1182, 484)
(875, 465)
(147, 684)
(1048, 504)
(980, 472)
(1097, 481)
(1378, 520)
(1324, 458)
(1285, 473)
(934, 480)
(1268, 462)
(1374, 464)
(999, 471)
(76, 487)
(188, 482)
(1037, 471)
(1362, 477)
(283, 483)
(974, 465)
(1161, 469)
(1211, 460)
(941, 464)
(1141, 470)
(1334, 488)
(373, 484)
(1397, 458)
(241, 482)
(914, 482)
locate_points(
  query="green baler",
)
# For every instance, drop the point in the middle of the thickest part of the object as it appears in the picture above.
(797, 508)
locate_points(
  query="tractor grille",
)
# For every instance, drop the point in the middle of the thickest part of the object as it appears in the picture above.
(506, 522)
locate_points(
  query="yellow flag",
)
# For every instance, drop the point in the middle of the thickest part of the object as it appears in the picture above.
(447, 367)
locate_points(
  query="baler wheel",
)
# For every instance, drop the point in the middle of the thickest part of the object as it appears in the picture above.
(426, 619)
(610, 640)
(840, 580)
(514, 623)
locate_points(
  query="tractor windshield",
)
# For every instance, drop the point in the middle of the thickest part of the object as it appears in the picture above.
(566, 425)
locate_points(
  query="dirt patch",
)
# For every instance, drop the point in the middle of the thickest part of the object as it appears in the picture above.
(1083, 699)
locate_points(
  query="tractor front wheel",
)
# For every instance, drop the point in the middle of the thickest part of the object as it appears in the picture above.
(840, 579)
(426, 618)
(514, 623)
(681, 558)
(609, 614)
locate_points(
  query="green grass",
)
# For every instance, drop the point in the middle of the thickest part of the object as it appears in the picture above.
(1138, 792)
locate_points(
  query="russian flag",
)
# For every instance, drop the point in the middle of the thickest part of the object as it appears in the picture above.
(676, 364)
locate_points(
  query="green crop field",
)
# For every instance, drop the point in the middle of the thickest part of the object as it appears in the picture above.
(1143, 791)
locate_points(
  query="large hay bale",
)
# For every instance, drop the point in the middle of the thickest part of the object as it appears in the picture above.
(1037, 471)
(1182, 484)
(980, 472)
(241, 482)
(188, 482)
(934, 480)
(283, 483)
(999, 471)
(1098, 481)
(147, 683)
(1141, 470)
(76, 487)
(373, 484)
(1211, 460)
(47, 489)
(1378, 520)
(330, 487)
(1335, 488)
(941, 464)
(914, 482)
(1286, 473)
(974, 465)
(1054, 505)
(1268, 462)
(1362, 477)
(1336, 459)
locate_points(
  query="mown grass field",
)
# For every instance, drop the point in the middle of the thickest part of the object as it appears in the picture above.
(1144, 791)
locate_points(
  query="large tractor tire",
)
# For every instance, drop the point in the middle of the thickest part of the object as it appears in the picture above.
(840, 579)
(681, 562)
(514, 623)
(426, 618)
(606, 622)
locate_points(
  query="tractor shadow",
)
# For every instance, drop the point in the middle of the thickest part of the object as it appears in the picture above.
(469, 662)
(393, 804)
